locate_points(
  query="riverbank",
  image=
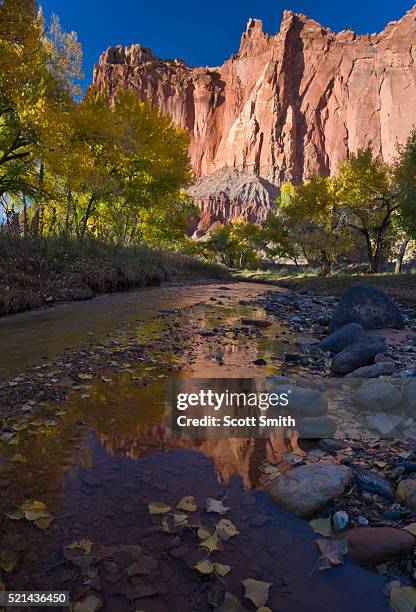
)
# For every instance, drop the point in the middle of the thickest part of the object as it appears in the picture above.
(401, 287)
(38, 273)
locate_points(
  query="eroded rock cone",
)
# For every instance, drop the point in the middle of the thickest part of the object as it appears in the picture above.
(304, 490)
(374, 545)
(368, 306)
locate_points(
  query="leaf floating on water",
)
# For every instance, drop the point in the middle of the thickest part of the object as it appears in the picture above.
(165, 525)
(403, 599)
(159, 508)
(216, 505)
(231, 604)
(212, 543)
(180, 519)
(205, 531)
(221, 569)
(91, 603)
(84, 544)
(36, 512)
(332, 553)
(15, 515)
(188, 504)
(264, 609)
(257, 591)
(226, 529)
(322, 526)
(204, 567)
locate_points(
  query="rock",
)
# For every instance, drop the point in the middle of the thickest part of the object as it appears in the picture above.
(341, 338)
(409, 395)
(382, 358)
(316, 427)
(256, 322)
(260, 362)
(359, 354)
(305, 489)
(391, 515)
(375, 545)
(304, 401)
(372, 483)
(406, 492)
(362, 521)
(383, 368)
(385, 424)
(251, 96)
(340, 520)
(408, 466)
(332, 446)
(377, 395)
(370, 307)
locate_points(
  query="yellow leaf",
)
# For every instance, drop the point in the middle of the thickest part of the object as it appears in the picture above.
(187, 503)
(83, 544)
(158, 508)
(204, 531)
(18, 458)
(204, 567)
(403, 599)
(322, 526)
(257, 591)
(15, 515)
(221, 569)
(180, 519)
(226, 529)
(212, 543)
(411, 528)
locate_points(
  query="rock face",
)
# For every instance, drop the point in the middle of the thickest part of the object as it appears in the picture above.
(304, 490)
(368, 306)
(283, 107)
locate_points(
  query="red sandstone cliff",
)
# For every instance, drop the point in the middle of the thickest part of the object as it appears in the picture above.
(283, 107)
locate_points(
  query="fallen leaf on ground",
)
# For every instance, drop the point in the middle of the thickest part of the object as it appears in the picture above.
(257, 591)
(204, 567)
(216, 505)
(322, 526)
(180, 519)
(226, 529)
(222, 569)
(18, 458)
(159, 508)
(83, 544)
(332, 553)
(204, 531)
(187, 503)
(212, 543)
(91, 603)
(403, 599)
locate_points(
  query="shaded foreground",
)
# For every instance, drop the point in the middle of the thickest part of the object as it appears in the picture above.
(97, 460)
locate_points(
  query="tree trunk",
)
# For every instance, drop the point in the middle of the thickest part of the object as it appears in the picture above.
(369, 246)
(87, 216)
(400, 256)
(325, 264)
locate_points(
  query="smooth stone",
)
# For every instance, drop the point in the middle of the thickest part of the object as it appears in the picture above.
(340, 520)
(368, 306)
(316, 427)
(377, 395)
(406, 492)
(409, 466)
(384, 424)
(362, 521)
(372, 483)
(332, 446)
(359, 354)
(306, 489)
(375, 545)
(382, 368)
(302, 400)
(410, 395)
(391, 515)
(256, 323)
(343, 337)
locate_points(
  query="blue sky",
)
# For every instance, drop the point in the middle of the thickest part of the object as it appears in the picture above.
(203, 33)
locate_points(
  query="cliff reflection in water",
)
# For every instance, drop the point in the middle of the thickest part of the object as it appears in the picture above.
(140, 429)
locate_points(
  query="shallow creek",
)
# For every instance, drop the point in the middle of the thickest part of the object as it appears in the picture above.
(107, 454)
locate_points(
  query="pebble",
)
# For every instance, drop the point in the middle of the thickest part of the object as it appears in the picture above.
(340, 520)
(362, 521)
(372, 483)
(406, 492)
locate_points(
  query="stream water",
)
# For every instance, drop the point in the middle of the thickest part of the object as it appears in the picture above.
(108, 454)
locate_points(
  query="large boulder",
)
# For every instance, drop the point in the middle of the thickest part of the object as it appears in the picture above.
(359, 354)
(304, 490)
(375, 545)
(343, 337)
(370, 307)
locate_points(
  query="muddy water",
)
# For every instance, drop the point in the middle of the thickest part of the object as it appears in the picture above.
(107, 454)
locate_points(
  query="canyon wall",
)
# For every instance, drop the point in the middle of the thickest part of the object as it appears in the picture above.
(283, 107)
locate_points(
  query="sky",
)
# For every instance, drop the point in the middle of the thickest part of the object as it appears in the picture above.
(203, 33)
